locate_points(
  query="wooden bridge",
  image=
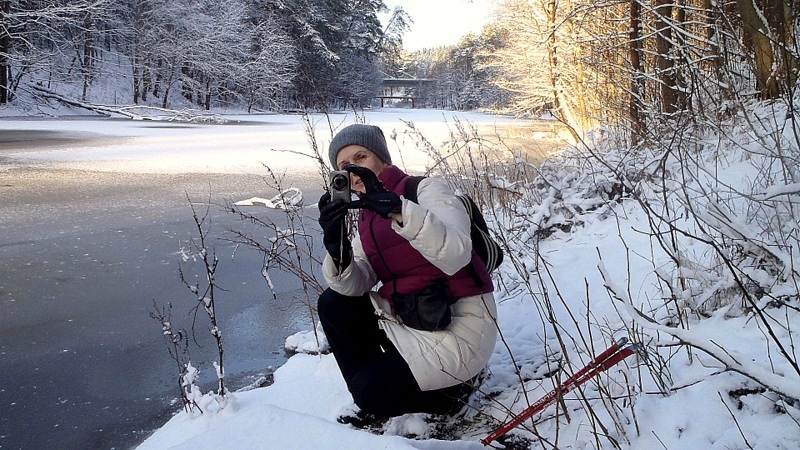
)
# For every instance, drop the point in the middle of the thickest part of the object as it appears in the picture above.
(402, 89)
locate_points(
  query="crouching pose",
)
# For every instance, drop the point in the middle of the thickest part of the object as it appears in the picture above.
(415, 343)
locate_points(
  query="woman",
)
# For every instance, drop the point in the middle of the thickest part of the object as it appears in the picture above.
(404, 248)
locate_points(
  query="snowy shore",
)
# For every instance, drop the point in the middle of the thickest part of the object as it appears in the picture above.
(562, 298)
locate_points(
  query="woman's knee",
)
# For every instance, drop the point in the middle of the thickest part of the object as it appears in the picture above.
(327, 300)
(335, 307)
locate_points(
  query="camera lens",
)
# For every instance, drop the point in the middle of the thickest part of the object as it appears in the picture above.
(339, 182)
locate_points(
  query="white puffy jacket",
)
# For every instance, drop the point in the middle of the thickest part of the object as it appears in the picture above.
(437, 359)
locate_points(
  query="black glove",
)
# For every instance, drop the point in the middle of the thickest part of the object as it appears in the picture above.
(334, 232)
(376, 198)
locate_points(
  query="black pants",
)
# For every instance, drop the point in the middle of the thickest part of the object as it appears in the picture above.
(376, 375)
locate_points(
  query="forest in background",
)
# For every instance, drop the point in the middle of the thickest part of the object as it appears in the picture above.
(257, 54)
(636, 65)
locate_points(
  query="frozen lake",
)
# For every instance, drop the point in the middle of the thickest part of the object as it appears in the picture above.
(93, 214)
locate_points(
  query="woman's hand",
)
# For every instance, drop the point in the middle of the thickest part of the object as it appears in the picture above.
(332, 221)
(376, 198)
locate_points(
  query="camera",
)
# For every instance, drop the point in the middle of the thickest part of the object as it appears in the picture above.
(340, 185)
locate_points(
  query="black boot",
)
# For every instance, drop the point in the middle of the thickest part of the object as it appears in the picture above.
(361, 419)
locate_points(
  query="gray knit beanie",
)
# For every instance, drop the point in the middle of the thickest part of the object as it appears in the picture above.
(367, 136)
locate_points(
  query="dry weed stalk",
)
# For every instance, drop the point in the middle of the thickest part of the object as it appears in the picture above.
(206, 292)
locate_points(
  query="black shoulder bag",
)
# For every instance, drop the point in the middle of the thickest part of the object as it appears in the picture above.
(427, 309)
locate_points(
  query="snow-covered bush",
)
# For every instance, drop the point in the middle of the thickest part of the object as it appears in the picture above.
(715, 295)
(685, 246)
(720, 212)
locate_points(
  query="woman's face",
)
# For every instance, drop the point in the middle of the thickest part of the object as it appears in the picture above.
(360, 156)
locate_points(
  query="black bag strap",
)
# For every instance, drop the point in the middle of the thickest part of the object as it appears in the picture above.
(411, 188)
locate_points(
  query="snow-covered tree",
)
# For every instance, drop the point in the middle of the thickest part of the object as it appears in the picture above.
(259, 52)
(394, 57)
(46, 41)
(460, 76)
(336, 42)
(272, 67)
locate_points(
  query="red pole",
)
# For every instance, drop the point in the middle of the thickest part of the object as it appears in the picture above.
(610, 357)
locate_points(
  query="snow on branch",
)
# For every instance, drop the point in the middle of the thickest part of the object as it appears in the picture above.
(772, 381)
(778, 190)
(135, 112)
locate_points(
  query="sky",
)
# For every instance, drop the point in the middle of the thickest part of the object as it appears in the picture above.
(442, 22)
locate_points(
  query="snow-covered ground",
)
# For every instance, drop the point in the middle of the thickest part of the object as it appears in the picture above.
(568, 303)
(562, 299)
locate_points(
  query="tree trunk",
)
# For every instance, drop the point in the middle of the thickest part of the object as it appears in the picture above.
(157, 80)
(207, 103)
(552, 58)
(681, 72)
(634, 53)
(581, 87)
(665, 63)
(757, 39)
(164, 101)
(137, 90)
(88, 55)
(146, 84)
(792, 20)
(714, 50)
(186, 88)
(5, 47)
